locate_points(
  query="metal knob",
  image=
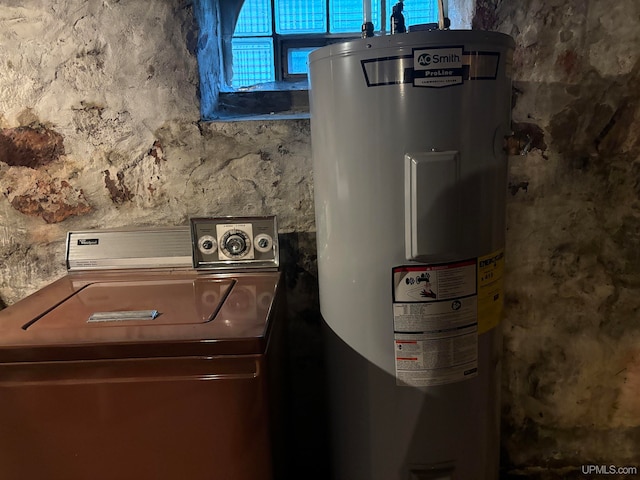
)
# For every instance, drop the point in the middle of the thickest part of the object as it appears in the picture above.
(263, 243)
(207, 244)
(235, 244)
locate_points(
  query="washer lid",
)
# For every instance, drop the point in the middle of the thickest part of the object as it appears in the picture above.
(140, 315)
(148, 303)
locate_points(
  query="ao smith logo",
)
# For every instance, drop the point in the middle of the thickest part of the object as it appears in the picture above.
(427, 59)
(433, 58)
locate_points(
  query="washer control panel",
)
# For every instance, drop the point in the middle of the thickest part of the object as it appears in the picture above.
(234, 242)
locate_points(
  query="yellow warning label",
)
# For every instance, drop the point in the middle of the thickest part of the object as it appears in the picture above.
(490, 290)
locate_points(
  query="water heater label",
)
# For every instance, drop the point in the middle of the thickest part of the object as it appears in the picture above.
(437, 67)
(435, 323)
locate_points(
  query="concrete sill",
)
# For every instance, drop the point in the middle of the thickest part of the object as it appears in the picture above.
(261, 105)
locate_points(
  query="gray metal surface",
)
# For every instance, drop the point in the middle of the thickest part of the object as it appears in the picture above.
(128, 248)
(386, 115)
(432, 206)
(255, 238)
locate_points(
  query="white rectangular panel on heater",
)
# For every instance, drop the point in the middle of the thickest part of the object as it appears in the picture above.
(432, 204)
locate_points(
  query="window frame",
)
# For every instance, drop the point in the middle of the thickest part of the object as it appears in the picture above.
(282, 42)
(216, 20)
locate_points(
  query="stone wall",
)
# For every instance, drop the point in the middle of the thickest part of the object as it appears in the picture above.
(572, 369)
(99, 127)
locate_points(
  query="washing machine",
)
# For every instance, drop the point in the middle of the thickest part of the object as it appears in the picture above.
(158, 356)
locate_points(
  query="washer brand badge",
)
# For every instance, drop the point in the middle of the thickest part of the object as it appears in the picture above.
(88, 241)
(437, 67)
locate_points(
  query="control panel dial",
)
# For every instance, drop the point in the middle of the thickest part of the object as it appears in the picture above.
(235, 243)
(263, 242)
(207, 244)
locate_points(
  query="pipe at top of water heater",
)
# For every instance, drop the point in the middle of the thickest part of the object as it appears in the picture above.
(367, 24)
(443, 15)
(366, 7)
(397, 19)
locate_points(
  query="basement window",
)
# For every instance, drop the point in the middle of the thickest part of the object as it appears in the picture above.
(261, 67)
(273, 38)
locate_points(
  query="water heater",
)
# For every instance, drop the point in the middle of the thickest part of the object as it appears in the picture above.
(410, 183)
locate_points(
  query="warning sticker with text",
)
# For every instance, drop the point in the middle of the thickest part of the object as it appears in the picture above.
(435, 322)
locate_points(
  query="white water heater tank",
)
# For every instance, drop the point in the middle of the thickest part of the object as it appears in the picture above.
(410, 183)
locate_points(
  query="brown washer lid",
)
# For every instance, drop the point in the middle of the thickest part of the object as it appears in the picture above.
(140, 316)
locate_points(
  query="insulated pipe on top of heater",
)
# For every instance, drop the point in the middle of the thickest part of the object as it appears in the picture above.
(442, 13)
(367, 24)
(366, 7)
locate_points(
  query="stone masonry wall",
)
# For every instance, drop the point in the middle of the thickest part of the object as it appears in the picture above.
(572, 351)
(99, 127)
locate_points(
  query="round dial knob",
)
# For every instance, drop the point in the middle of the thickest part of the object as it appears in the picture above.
(235, 243)
(263, 242)
(207, 244)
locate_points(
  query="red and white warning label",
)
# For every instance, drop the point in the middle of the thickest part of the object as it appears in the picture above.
(435, 322)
